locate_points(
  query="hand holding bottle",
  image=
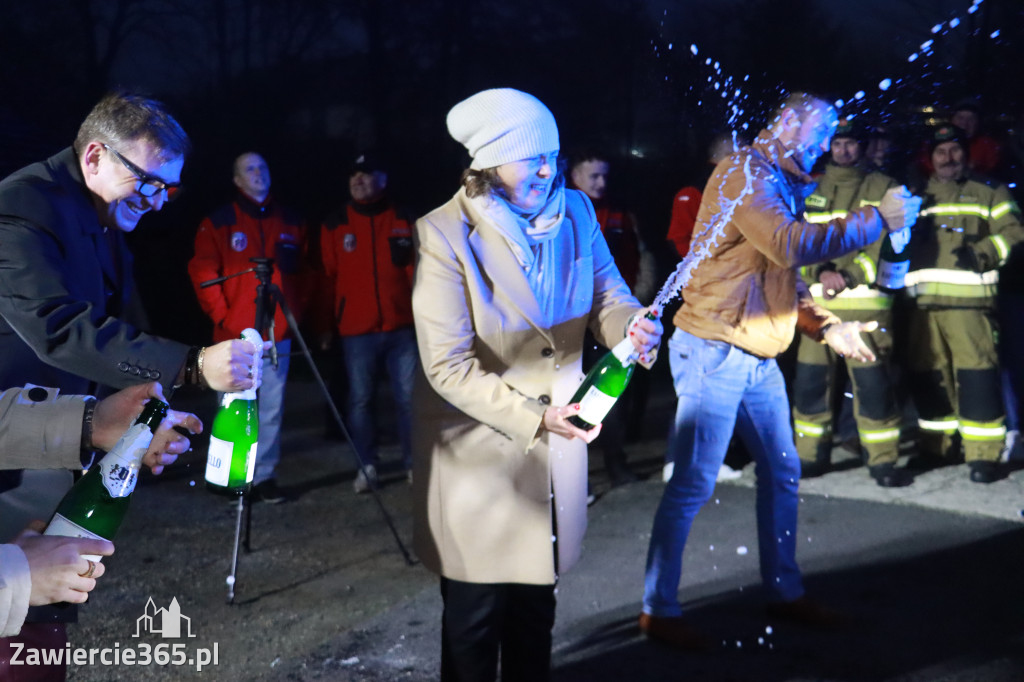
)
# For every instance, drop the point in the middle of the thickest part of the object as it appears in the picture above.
(232, 366)
(556, 420)
(899, 208)
(97, 503)
(844, 338)
(58, 570)
(234, 438)
(115, 413)
(645, 333)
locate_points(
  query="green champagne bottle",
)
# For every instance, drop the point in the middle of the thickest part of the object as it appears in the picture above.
(603, 385)
(231, 459)
(894, 261)
(96, 505)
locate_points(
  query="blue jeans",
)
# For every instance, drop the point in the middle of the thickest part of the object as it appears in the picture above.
(271, 406)
(364, 356)
(721, 387)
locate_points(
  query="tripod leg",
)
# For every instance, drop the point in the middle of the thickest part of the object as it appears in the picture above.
(293, 325)
(234, 552)
(248, 528)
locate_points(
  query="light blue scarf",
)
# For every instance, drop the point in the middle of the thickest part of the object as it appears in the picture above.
(530, 238)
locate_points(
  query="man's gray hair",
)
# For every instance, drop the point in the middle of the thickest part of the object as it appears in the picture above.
(121, 118)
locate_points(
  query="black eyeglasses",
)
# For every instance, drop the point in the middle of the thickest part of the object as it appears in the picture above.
(148, 185)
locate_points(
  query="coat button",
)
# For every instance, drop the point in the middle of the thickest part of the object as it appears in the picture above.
(547, 352)
(123, 366)
(545, 399)
(136, 371)
(37, 394)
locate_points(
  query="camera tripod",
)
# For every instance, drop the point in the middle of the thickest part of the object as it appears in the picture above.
(268, 296)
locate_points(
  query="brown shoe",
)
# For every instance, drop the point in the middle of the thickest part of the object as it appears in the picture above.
(673, 631)
(806, 612)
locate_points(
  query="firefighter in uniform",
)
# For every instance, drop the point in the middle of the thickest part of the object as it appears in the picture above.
(845, 287)
(966, 232)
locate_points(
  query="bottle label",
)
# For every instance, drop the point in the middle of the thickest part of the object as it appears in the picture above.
(594, 405)
(892, 275)
(119, 469)
(899, 239)
(250, 459)
(218, 462)
(61, 525)
(625, 352)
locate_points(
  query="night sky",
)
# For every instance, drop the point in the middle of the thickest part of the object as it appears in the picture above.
(310, 83)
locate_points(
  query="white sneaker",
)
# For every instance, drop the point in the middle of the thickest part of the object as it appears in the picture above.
(727, 473)
(365, 479)
(666, 471)
(1012, 439)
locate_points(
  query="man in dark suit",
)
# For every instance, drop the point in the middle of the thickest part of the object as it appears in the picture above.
(69, 314)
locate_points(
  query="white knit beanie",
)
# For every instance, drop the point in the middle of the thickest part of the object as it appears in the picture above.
(503, 125)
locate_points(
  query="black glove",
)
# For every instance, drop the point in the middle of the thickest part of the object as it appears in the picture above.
(969, 259)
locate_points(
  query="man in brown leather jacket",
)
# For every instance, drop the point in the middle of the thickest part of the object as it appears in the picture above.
(741, 305)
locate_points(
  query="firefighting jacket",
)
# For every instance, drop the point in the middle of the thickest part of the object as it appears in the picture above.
(368, 259)
(964, 233)
(225, 242)
(839, 191)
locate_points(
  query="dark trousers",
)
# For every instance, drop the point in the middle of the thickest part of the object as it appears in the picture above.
(479, 620)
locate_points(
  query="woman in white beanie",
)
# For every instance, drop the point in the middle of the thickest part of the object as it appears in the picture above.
(511, 272)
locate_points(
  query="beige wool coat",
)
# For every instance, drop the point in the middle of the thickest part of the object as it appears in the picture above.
(485, 486)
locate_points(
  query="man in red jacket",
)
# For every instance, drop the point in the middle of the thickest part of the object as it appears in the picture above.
(588, 172)
(368, 259)
(254, 226)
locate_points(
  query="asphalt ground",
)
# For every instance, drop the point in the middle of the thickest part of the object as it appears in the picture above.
(930, 578)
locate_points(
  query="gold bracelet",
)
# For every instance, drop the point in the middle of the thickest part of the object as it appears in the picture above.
(199, 368)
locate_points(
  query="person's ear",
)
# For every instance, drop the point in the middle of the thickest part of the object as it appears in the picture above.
(91, 157)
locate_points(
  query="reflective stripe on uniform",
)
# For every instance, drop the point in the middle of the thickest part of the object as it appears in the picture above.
(957, 283)
(990, 278)
(957, 210)
(879, 436)
(999, 210)
(867, 265)
(803, 428)
(948, 426)
(1002, 248)
(823, 216)
(983, 431)
(861, 297)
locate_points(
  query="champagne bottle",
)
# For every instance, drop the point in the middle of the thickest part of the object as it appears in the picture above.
(96, 505)
(606, 381)
(893, 261)
(603, 385)
(231, 459)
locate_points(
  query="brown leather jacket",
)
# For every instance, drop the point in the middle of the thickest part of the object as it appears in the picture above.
(746, 290)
